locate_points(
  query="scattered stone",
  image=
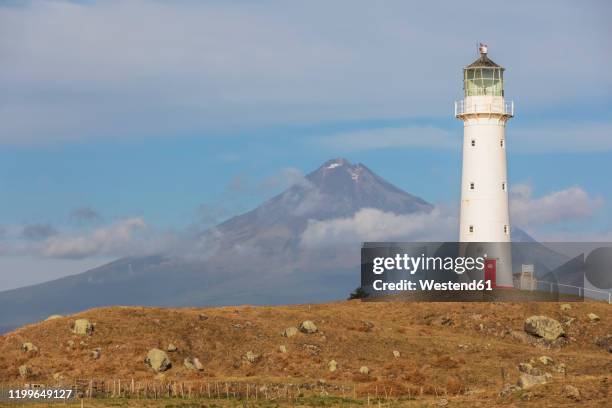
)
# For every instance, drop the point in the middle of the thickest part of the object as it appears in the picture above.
(57, 376)
(545, 327)
(333, 365)
(366, 326)
(605, 342)
(569, 391)
(29, 347)
(312, 349)
(289, 332)
(593, 317)
(321, 382)
(282, 349)
(171, 348)
(559, 368)
(364, 370)
(202, 316)
(251, 357)
(24, 371)
(396, 354)
(546, 360)
(508, 389)
(565, 307)
(527, 380)
(53, 317)
(82, 327)
(96, 353)
(193, 363)
(308, 327)
(528, 369)
(569, 321)
(158, 360)
(442, 402)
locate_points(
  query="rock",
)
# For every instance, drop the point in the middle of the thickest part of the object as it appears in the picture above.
(96, 353)
(332, 365)
(171, 348)
(559, 368)
(24, 371)
(53, 317)
(29, 347)
(508, 389)
(396, 354)
(57, 376)
(202, 316)
(308, 327)
(282, 349)
(605, 342)
(442, 402)
(158, 360)
(193, 363)
(321, 382)
(364, 370)
(545, 327)
(569, 391)
(593, 317)
(251, 357)
(546, 360)
(569, 321)
(527, 380)
(528, 369)
(82, 327)
(565, 307)
(289, 332)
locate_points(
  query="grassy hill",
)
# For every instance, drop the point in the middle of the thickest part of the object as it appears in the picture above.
(464, 352)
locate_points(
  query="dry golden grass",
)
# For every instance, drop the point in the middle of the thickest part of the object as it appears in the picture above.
(457, 351)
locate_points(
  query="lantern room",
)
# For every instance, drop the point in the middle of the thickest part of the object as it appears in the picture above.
(483, 77)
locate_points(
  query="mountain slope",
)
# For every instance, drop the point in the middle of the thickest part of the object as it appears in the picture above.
(252, 258)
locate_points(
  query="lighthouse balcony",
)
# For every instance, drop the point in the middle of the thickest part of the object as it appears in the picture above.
(471, 107)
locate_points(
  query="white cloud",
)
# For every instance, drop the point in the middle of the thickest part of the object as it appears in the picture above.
(572, 203)
(114, 239)
(370, 224)
(74, 70)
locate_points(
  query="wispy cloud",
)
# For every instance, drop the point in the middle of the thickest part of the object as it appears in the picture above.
(565, 205)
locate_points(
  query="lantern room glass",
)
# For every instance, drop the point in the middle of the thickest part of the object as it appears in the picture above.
(483, 81)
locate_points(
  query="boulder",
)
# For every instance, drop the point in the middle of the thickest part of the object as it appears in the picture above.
(332, 365)
(158, 360)
(171, 348)
(546, 360)
(604, 342)
(251, 357)
(593, 317)
(571, 392)
(307, 326)
(527, 380)
(545, 327)
(289, 332)
(396, 354)
(193, 363)
(82, 327)
(53, 317)
(29, 347)
(364, 370)
(24, 371)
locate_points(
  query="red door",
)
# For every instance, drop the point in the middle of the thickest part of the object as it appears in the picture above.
(490, 269)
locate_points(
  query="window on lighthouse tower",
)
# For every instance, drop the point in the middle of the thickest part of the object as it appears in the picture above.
(472, 186)
(473, 143)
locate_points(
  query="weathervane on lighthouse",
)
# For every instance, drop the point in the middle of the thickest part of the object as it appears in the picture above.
(484, 184)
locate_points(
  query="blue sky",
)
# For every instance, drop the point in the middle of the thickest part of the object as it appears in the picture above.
(180, 114)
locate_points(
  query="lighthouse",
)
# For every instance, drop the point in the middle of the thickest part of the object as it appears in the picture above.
(484, 216)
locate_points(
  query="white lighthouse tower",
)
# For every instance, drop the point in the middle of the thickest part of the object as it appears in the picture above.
(484, 186)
